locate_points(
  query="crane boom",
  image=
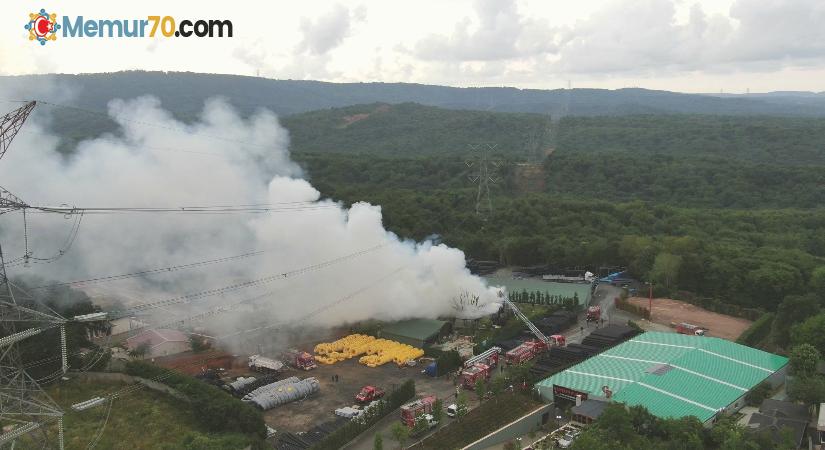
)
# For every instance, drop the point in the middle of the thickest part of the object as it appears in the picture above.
(526, 321)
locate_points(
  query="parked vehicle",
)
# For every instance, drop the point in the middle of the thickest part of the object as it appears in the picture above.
(429, 419)
(263, 364)
(594, 313)
(529, 349)
(299, 359)
(368, 394)
(452, 410)
(489, 357)
(471, 375)
(690, 329)
(411, 410)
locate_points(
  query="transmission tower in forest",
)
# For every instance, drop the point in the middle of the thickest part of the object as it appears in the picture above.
(27, 413)
(484, 171)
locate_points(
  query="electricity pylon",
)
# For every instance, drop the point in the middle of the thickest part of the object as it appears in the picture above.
(26, 411)
(487, 173)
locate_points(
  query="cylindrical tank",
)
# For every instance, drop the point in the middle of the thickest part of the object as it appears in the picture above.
(269, 387)
(286, 394)
(240, 383)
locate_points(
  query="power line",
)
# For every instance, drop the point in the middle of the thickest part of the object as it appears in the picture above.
(245, 284)
(168, 269)
(222, 209)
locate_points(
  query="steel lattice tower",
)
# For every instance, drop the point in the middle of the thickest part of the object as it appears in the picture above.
(487, 173)
(26, 411)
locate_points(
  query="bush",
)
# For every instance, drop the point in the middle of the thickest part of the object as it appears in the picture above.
(758, 394)
(758, 331)
(625, 305)
(351, 430)
(448, 362)
(213, 408)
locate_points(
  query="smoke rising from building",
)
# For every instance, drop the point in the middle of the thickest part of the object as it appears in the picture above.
(220, 158)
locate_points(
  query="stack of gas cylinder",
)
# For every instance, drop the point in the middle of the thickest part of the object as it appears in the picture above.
(376, 351)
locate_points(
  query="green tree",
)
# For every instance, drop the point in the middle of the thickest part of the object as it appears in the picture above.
(461, 405)
(480, 388)
(438, 410)
(758, 394)
(811, 331)
(400, 433)
(497, 386)
(378, 442)
(140, 351)
(818, 282)
(803, 360)
(665, 269)
(198, 343)
(420, 426)
(792, 310)
(810, 390)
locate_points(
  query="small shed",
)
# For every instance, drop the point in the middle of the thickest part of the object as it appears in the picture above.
(589, 411)
(160, 342)
(416, 332)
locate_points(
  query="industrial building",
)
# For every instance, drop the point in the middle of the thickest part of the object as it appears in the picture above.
(672, 375)
(416, 332)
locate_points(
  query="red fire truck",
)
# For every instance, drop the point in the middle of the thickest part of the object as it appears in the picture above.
(299, 359)
(368, 394)
(690, 329)
(594, 313)
(477, 371)
(416, 408)
(529, 349)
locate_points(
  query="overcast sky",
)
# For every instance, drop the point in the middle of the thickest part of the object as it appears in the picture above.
(680, 45)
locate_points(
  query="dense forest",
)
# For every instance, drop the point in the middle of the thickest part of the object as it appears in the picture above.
(726, 208)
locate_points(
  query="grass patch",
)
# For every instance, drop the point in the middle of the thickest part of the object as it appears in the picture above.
(145, 419)
(486, 418)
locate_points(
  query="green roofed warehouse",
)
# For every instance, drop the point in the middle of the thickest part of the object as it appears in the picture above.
(672, 375)
(416, 332)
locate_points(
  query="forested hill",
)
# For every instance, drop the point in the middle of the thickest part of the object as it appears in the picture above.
(184, 93)
(414, 130)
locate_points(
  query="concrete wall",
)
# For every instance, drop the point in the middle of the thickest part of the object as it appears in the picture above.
(128, 379)
(519, 427)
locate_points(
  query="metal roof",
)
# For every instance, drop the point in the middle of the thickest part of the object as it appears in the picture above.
(421, 329)
(704, 374)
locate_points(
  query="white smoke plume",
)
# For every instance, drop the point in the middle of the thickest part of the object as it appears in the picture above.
(220, 159)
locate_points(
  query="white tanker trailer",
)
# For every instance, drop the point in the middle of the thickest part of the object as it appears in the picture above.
(268, 387)
(287, 393)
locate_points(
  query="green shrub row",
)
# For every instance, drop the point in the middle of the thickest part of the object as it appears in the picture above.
(625, 305)
(351, 430)
(758, 331)
(484, 419)
(214, 409)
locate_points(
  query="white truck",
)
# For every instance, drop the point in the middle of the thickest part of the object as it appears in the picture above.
(263, 364)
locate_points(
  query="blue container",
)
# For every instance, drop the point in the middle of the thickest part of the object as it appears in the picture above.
(431, 369)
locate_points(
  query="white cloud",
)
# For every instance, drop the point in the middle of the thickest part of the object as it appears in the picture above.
(329, 30)
(500, 33)
(763, 44)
